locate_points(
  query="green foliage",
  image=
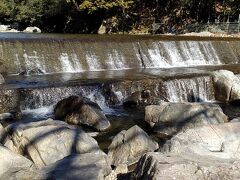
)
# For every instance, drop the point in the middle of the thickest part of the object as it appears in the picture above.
(86, 16)
(92, 6)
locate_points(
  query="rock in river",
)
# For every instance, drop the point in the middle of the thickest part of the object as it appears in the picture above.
(158, 166)
(128, 146)
(227, 86)
(168, 119)
(79, 110)
(221, 141)
(48, 141)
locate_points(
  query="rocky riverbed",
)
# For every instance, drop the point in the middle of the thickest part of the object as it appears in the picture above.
(147, 136)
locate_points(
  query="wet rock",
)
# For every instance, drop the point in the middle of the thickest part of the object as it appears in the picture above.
(32, 30)
(185, 166)
(31, 72)
(128, 146)
(227, 86)
(48, 141)
(78, 110)
(89, 166)
(14, 166)
(137, 98)
(168, 119)
(221, 141)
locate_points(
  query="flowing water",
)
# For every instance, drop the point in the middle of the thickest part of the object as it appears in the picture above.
(108, 69)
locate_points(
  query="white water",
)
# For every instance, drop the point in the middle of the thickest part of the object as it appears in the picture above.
(156, 54)
(193, 90)
(33, 61)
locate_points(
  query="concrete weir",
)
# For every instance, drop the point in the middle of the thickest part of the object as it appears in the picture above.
(77, 53)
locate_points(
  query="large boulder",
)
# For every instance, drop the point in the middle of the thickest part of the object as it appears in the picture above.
(89, 166)
(14, 166)
(128, 146)
(168, 119)
(157, 166)
(227, 86)
(221, 141)
(48, 141)
(78, 110)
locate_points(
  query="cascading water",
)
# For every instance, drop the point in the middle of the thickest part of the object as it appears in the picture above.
(198, 89)
(53, 55)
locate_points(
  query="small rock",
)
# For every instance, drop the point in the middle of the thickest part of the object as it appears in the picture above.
(77, 110)
(137, 98)
(32, 72)
(128, 146)
(168, 118)
(32, 30)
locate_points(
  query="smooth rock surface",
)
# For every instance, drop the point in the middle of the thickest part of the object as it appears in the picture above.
(168, 118)
(78, 110)
(157, 166)
(227, 86)
(48, 141)
(128, 146)
(221, 141)
(89, 166)
(14, 166)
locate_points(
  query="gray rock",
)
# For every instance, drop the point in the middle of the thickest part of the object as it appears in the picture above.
(128, 146)
(14, 166)
(32, 30)
(48, 141)
(235, 120)
(220, 141)
(119, 170)
(168, 119)
(137, 98)
(157, 166)
(2, 80)
(3, 134)
(227, 86)
(89, 166)
(31, 72)
(77, 110)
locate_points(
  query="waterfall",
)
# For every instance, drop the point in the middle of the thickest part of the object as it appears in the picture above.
(83, 53)
(198, 89)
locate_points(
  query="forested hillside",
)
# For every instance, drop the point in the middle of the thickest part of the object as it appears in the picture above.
(86, 16)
